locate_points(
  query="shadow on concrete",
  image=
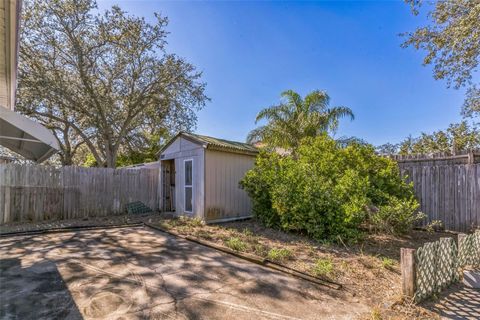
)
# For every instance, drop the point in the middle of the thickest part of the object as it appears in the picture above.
(34, 292)
(459, 302)
(140, 273)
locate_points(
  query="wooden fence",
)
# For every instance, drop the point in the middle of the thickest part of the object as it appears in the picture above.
(35, 193)
(449, 193)
(436, 159)
(434, 266)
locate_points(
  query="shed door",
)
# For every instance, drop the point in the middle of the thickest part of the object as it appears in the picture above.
(188, 185)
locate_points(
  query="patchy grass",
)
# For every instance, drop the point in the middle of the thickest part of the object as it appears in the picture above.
(236, 244)
(323, 268)
(260, 250)
(279, 255)
(367, 269)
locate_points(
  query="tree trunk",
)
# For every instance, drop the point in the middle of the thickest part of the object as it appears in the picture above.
(110, 157)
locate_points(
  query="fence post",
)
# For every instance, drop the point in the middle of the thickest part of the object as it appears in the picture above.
(471, 158)
(407, 262)
(462, 257)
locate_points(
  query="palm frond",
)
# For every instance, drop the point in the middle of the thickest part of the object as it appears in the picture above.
(293, 99)
(341, 112)
(296, 118)
(256, 135)
(272, 112)
(317, 100)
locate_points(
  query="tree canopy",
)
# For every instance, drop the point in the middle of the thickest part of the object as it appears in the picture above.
(103, 80)
(296, 118)
(457, 137)
(452, 43)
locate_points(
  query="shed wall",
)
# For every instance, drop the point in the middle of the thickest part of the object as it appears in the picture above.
(180, 150)
(223, 197)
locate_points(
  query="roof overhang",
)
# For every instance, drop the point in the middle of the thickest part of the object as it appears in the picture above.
(207, 145)
(26, 137)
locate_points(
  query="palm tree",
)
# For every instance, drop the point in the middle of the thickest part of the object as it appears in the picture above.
(296, 118)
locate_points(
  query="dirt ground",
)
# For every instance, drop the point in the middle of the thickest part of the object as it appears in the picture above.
(85, 222)
(369, 270)
(139, 273)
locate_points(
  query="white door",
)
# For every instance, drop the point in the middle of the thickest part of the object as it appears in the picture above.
(188, 196)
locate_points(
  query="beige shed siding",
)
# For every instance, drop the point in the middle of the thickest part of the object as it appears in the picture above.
(181, 150)
(3, 57)
(223, 197)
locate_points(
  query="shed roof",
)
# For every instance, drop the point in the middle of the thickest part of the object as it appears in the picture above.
(215, 143)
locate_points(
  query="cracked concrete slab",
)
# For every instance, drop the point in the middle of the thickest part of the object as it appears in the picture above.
(137, 273)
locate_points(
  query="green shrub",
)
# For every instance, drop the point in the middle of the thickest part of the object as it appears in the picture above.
(435, 226)
(236, 244)
(279, 255)
(327, 191)
(397, 216)
(323, 267)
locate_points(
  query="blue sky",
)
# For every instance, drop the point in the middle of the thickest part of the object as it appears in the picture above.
(249, 52)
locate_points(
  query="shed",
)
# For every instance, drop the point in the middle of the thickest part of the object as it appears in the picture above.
(200, 175)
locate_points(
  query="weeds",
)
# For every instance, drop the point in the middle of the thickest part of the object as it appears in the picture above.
(260, 250)
(376, 314)
(279, 255)
(247, 232)
(323, 267)
(387, 263)
(236, 244)
(203, 234)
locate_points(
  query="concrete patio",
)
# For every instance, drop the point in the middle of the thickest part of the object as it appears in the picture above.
(138, 273)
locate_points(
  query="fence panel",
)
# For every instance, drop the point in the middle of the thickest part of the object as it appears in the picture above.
(35, 193)
(449, 193)
(439, 264)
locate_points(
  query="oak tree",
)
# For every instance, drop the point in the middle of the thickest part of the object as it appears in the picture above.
(103, 80)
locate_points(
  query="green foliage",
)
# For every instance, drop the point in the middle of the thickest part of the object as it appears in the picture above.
(452, 44)
(146, 153)
(260, 250)
(323, 267)
(461, 136)
(397, 216)
(236, 244)
(279, 255)
(326, 191)
(434, 226)
(103, 80)
(296, 118)
(90, 161)
(387, 263)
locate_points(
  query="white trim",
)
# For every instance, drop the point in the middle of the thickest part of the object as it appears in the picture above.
(20, 139)
(185, 186)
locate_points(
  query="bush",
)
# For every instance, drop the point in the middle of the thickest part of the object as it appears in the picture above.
(327, 191)
(397, 216)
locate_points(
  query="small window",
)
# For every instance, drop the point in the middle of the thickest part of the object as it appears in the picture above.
(188, 185)
(188, 199)
(188, 172)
